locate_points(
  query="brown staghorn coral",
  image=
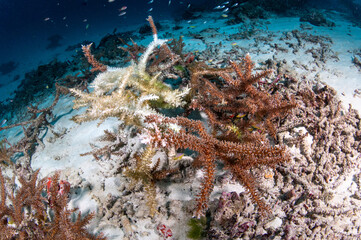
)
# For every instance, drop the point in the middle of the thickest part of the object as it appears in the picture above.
(28, 217)
(236, 101)
(239, 158)
(224, 94)
(168, 59)
(97, 66)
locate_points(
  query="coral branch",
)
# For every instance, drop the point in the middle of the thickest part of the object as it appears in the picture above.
(152, 25)
(97, 66)
(239, 158)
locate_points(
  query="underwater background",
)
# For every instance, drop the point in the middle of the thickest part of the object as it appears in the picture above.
(236, 119)
(34, 31)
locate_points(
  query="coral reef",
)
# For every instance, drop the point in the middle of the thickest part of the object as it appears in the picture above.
(284, 146)
(239, 142)
(306, 192)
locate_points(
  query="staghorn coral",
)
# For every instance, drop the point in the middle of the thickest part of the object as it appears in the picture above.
(113, 148)
(237, 105)
(232, 140)
(128, 93)
(97, 66)
(28, 217)
(131, 94)
(305, 192)
(239, 158)
(133, 50)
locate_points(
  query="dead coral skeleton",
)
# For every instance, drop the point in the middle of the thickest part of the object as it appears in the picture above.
(39, 120)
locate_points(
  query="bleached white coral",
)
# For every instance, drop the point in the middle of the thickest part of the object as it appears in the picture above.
(143, 60)
(111, 79)
(126, 92)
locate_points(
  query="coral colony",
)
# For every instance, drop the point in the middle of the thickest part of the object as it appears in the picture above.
(240, 113)
(208, 118)
(131, 93)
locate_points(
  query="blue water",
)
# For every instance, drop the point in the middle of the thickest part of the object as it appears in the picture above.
(32, 27)
(37, 31)
(27, 21)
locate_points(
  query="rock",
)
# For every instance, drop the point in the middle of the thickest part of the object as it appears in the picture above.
(275, 223)
(316, 18)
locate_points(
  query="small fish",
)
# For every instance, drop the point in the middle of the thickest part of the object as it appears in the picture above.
(219, 7)
(87, 26)
(111, 1)
(241, 115)
(151, 1)
(170, 1)
(189, 21)
(210, 60)
(3, 122)
(123, 8)
(224, 15)
(85, 20)
(150, 9)
(196, 51)
(204, 22)
(234, 44)
(64, 18)
(188, 5)
(47, 86)
(192, 26)
(10, 220)
(179, 156)
(234, 5)
(254, 128)
(122, 13)
(225, 10)
(46, 19)
(225, 3)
